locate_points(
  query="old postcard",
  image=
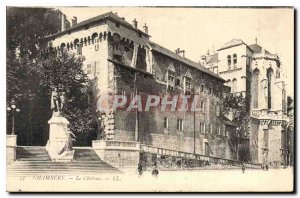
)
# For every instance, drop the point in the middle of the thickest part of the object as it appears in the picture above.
(150, 99)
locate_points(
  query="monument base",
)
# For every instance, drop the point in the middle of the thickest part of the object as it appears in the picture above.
(59, 143)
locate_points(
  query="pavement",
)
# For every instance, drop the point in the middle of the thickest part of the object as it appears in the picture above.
(253, 180)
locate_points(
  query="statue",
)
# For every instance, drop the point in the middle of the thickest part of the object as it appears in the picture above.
(57, 100)
(59, 145)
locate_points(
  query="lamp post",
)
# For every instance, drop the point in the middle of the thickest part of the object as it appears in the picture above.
(13, 109)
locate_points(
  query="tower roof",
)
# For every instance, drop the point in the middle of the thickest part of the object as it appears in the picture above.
(232, 43)
(258, 49)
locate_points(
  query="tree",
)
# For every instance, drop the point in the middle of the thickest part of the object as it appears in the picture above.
(65, 73)
(26, 30)
(28, 27)
(237, 107)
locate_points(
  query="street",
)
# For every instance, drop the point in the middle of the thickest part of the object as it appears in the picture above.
(201, 180)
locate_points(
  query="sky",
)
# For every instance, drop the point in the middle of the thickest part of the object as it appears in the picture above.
(197, 30)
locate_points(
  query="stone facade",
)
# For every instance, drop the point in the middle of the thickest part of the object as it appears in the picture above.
(122, 60)
(252, 71)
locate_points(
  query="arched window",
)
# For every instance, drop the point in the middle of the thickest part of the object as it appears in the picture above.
(234, 81)
(229, 62)
(269, 76)
(234, 60)
(94, 37)
(228, 83)
(255, 81)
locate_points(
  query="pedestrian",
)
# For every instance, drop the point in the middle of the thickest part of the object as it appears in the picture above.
(267, 167)
(243, 168)
(140, 169)
(155, 172)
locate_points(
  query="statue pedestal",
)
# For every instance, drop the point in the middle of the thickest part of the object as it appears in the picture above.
(59, 139)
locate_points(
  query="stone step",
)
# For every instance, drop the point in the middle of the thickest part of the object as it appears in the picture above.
(35, 160)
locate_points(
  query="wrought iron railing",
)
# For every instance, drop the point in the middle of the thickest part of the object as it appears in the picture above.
(197, 157)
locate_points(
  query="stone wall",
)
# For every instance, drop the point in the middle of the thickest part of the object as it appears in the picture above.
(11, 145)
(120, 154)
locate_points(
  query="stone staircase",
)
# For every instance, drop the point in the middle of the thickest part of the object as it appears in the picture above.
(36, 161)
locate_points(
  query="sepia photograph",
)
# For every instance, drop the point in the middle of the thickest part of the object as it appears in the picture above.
(150, 99)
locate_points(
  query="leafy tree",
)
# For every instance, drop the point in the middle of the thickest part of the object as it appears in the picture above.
(25, 30)
(28, 27)
(237, 107)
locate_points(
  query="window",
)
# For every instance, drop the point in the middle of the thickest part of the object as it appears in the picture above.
(132, 94)
(277, 73)
(123, 95)
(219, 130)
(187, 86)
(79, 49)
(255, 81)
(96, 47)
(210, 91)
(201, 88)
(229, 62)
(117, 24)
(234, 60)
(171, 81)
(217, 110)
(178, 82)
(171, 78)
(166, 123)
(89, 69)
(269, 76)
(233, 88)
(202, 127)
(202, 106)
(210, 128)
(228, 83)
(180, 124)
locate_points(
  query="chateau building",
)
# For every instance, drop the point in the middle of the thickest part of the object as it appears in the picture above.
(256, 73)
(122, 59)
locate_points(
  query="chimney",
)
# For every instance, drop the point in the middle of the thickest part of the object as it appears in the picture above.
(134, 23)
(74, 21)
(180, 52)
(63, 22)
(145, 28)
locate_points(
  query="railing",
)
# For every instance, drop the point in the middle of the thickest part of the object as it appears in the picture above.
(197, 157)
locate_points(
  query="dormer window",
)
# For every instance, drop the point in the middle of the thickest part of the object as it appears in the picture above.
(171, 81)
(188, 85)
(171, 77)
(187, 82)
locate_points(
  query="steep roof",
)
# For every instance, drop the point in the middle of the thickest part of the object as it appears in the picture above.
(232, 43)
(173, 55)
(257, 49)
(109, 15)
(213, 58)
